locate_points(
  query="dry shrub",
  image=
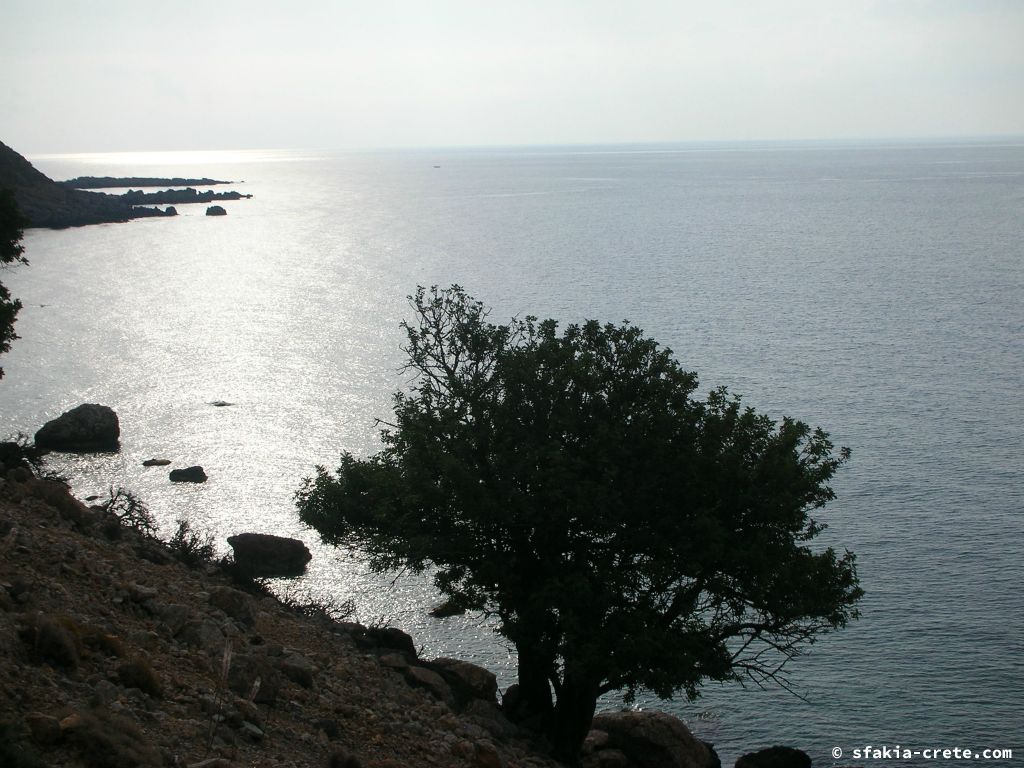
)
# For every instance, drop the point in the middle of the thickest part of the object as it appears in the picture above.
(193, 548)
(106, 740)
(138, 673)
(131, 511)
(104, 643)
(55, 640)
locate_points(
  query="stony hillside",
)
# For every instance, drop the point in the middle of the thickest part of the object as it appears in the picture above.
(114, 653)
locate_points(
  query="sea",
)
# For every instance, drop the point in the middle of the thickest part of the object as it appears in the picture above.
(874, 289)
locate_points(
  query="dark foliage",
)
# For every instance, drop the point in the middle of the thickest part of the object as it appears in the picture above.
(12, 224)
(138, 673)
(131, 511)
(13, 753)
(55, 641)
(627, 534)
(191, 547)
(104, 739)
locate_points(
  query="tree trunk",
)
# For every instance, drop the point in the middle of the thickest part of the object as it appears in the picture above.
(535, 702)
(574, 711)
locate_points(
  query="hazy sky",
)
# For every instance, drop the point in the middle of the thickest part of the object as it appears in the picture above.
(107, 75)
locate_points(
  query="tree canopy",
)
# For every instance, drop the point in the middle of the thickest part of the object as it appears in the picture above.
(12, 224)
(627, 534)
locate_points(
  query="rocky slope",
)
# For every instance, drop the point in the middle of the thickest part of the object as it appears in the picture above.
(114, 653)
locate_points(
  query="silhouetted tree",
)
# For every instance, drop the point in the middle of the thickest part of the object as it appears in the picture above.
(626, 534)
(12, 224)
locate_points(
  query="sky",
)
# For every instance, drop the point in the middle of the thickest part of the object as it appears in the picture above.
(107, 75)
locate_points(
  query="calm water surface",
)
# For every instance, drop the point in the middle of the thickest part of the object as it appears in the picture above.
(874, 290)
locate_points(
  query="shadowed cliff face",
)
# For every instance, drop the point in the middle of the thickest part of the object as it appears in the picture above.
(47, 204)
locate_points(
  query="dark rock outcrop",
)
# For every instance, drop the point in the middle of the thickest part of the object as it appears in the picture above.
(188, 475)
(262, 554)
(87, 428)
(775, 757)
(216, 210)
(649, 740)
(477, 682)
(12, 456)
(47, 203)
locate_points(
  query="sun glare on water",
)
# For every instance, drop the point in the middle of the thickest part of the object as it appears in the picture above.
(176, 157)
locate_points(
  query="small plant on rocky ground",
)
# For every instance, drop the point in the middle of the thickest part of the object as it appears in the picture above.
(131, 511)
(138, 673)
(190, 546)
(221, 692)
(54, 640)
(319, 607)
(33, 456)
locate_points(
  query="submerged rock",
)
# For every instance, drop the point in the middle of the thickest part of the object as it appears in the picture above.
(156, 462)
(86, 428)
(262, 554)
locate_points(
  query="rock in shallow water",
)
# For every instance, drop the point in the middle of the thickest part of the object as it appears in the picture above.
(188, 475)
(86, 428)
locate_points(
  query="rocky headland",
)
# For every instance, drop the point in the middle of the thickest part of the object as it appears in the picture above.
(48, 203)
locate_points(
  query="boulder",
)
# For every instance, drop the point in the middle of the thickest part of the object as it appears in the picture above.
(261, 554)
(236, 604)
(478, 682)
(87, 428)
(653, 740)
(254, 678)
(216, 210)
(775, 757)
(298, 669)
(387, 639)
(203, 634)
(422, 677)
(188, 475)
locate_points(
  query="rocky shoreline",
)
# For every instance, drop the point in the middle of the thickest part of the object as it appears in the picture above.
(56, 205)
(119, 649)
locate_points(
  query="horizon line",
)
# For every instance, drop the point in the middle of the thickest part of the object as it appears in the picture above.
(694, 143)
